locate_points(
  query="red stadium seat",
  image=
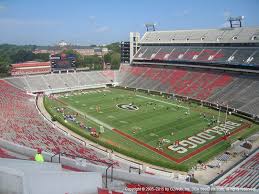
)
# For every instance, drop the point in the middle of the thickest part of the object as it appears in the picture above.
(21, 123)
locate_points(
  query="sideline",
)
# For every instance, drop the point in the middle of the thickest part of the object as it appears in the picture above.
(97, 121)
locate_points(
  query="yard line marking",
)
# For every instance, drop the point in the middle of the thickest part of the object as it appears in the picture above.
(86, 115)
(164, 102)
(91, 118)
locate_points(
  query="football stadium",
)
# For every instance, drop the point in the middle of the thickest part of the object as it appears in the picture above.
(180, 115)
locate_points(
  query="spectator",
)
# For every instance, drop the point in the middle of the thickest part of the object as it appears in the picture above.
(38, 157)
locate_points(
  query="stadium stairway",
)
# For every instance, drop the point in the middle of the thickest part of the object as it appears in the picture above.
(245, 175)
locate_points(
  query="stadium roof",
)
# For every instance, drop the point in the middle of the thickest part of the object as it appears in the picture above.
(223, 35)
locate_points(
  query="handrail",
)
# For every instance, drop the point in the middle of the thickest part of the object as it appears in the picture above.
(135, 168)
(54, 156)
(77, 156)
(106, 175)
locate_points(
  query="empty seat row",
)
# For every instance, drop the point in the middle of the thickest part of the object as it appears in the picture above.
(21, 123)
(233, 89)
(199, 54)
(35, 83)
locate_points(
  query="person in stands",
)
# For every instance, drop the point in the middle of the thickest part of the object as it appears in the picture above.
(39, 156)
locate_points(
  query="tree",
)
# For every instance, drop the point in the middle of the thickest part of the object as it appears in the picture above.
(115, 60)
(93, 62)
(41, 57)
(79, 58)
(113, 57)
(114, 47)
(21, 56)
(15, 54)
(108, 57)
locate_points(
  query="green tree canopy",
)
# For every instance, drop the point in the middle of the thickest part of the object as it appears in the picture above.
(15, 54)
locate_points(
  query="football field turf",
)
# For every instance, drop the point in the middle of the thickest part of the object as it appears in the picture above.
(156, 129)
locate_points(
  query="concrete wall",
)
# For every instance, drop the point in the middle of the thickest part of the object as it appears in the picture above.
(11, 181)
(27, 165)
(63, 182)
(122, 174)
(29, 177)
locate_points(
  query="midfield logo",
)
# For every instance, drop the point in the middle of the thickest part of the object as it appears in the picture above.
(129, 107)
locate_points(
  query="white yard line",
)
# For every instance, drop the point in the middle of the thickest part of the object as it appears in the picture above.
(164, 102)
(91, 118)
(110, 127)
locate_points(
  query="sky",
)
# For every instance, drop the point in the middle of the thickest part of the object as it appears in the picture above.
(85, 22)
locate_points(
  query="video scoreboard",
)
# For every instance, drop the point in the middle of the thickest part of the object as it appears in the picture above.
(63, 61)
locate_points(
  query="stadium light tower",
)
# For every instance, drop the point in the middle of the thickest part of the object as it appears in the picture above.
(236, 21)
(150, 26)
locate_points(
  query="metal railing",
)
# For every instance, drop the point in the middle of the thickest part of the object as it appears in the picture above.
(134, 168)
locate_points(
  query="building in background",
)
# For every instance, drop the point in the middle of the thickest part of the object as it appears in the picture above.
(63, 43)
(125, 52)
(134, 44)
(85, 52)
(30, 67)
(130, 48)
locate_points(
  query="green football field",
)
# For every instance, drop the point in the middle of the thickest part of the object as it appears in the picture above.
(156, 129)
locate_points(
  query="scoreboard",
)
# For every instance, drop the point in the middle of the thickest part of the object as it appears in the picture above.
(63, 61)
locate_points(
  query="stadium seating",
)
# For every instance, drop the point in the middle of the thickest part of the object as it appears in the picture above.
(163, 52)
(191, 53)
(206, 53)
(241, 92)
(106, 191)
(28, 128)
(4, 154)
(149, 52)
(245, 175)
(237, 91)
(179, 81)
(109, 74)
(35, 83)
(227, 55)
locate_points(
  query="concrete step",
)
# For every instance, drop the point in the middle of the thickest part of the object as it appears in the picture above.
(39, 181)
(63, 182)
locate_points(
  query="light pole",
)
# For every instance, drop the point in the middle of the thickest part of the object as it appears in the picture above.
(226, 119)
(218, 115)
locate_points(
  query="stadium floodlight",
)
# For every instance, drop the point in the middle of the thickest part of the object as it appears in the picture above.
(236, 21)
(150, 26)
